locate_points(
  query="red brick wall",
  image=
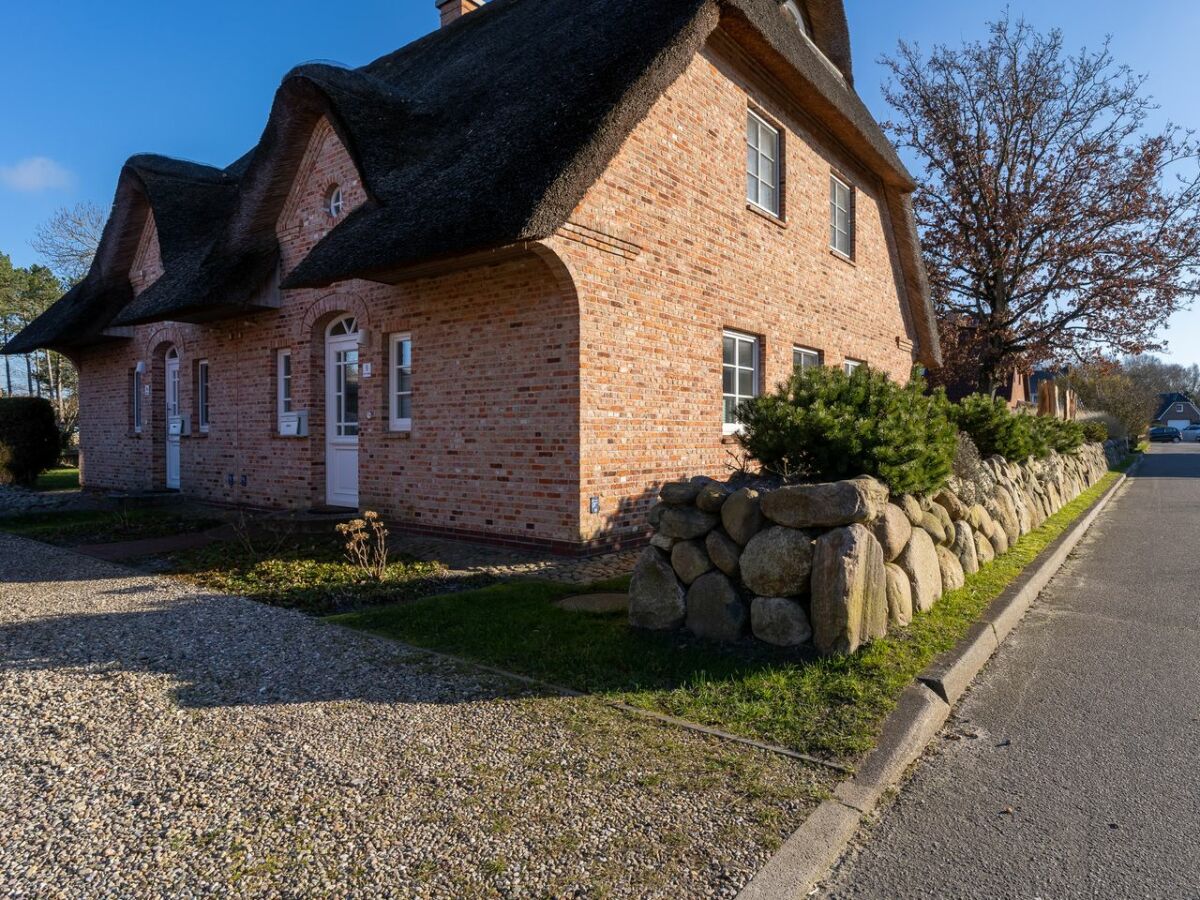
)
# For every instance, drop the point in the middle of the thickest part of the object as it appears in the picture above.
(493, 443)
(589, 367)
(652, 324)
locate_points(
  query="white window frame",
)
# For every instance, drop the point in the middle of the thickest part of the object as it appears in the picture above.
(396, 422)
(283, 385)
(202, 412)
(1178, 407)
(754, 182)
(850, 365)
(799, 352)
(837, 234)
(335, 201)
(738, 369)
(137, 401)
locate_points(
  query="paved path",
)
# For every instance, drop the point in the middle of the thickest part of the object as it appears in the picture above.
(157, 741)
(1073, 767)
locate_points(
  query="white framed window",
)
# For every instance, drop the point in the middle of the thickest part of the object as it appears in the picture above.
(805, 358)
(762, 164)
(400, 385)
(135, 404)
(334, 204)
(1178, 407)
(841, 217)
(852, 365)
(283, 382)
(739, 375)
(202, 395)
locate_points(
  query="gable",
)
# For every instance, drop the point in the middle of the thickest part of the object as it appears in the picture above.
(147, 265)
(306, 217)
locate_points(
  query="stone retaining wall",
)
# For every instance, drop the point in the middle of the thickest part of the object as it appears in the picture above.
(837, 564)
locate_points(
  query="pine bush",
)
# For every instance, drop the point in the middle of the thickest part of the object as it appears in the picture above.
(827, 425)
(29, 439)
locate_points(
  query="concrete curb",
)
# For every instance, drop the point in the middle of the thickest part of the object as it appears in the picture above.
(806, 858)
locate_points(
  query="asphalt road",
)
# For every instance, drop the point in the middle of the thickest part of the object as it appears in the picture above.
(1072, 768)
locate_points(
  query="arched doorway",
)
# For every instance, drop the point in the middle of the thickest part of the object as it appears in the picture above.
(341, 412)
(173, 420)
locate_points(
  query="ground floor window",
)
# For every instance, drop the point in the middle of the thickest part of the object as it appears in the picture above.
(202, 395)
(739, 376)
(804, 358)
(852, 364)
(135, 400)
(283, 382)
(400, 389)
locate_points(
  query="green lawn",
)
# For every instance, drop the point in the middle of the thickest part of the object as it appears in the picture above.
(826, 707)
(76, 527)
(66, 479)
(303, 573)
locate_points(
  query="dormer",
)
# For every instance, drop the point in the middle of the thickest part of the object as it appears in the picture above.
(147, 265)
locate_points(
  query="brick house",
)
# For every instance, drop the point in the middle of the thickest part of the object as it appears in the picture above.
(507, 280)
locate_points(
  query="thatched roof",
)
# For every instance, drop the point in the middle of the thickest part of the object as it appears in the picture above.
(490, 131)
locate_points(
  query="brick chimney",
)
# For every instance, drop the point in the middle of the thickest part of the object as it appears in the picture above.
(456, 9)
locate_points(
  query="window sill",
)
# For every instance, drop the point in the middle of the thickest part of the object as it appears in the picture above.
(838, 254)
(771, 217)
(136, 435)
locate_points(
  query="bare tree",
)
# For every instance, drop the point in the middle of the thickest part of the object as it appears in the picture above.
(69, 238)
(1057, 227)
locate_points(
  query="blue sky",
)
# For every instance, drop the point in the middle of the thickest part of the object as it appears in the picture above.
(86, 85)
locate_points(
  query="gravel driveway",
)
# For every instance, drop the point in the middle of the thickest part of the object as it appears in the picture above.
(156, 741)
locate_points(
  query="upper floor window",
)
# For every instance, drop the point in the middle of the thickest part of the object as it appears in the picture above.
(803, 359)
(401, 383)
(762, 164)
(1178, 407)
(739, 375)
(853, 365)
(202, 395)
(334, 204)
(841, 217)
(797, 15)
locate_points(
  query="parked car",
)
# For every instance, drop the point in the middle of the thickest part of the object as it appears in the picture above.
(1165, 434)
(1191, 433)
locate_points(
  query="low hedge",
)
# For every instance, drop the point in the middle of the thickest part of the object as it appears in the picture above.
(29, 439)
(825, 424)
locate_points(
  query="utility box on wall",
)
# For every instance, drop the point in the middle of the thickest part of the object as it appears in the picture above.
(294, 424)
(179, 426)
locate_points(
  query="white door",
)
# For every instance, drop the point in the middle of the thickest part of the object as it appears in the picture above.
(341, 413)
(172, 392)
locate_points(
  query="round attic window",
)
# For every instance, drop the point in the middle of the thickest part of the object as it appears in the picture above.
(334, 203)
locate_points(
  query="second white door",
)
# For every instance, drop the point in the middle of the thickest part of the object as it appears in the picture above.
(341, 405)
(172, 392)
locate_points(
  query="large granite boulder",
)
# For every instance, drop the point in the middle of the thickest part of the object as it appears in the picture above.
(680, 493)
(780, 621)
(686, 522)
(919, 561)
(724, 552)
(899, 596)
(826, 505)
(944, 517)
(849, 590)
(953, 506)
(892, 529)
(741, 514)
(984, 551)
(712, 497)
(963, 547)
(690, 560)
(912, 508)
(714, 609)
(951, 569)
(778, 562)
(932, 525)
(656, 599)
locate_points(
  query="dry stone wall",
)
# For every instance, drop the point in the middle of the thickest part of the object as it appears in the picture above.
(836, 565)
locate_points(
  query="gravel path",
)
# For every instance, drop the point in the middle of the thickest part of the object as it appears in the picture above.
(160, 742)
